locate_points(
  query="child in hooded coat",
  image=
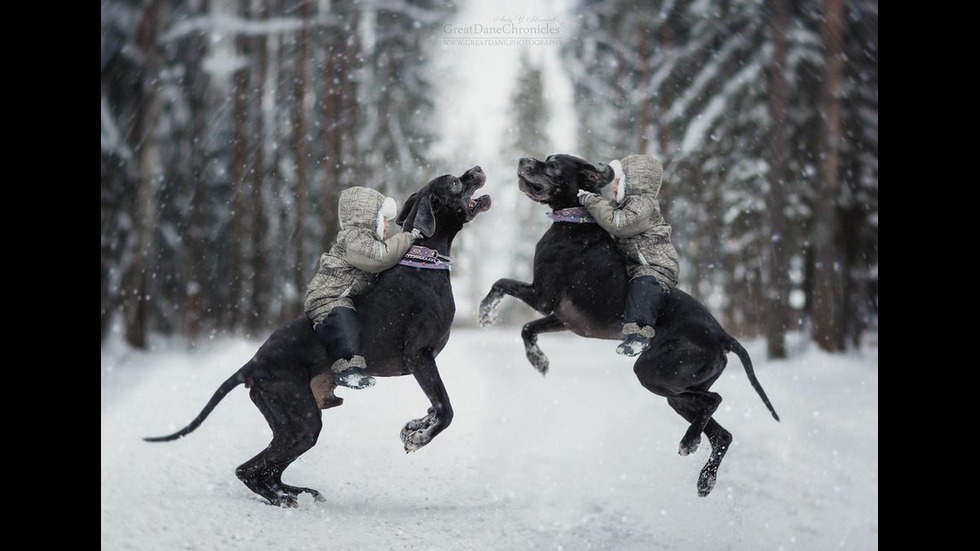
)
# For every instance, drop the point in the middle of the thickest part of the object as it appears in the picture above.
(347, 270)
(642, 235)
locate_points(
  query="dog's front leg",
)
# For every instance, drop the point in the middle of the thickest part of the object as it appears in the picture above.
(524, 292)
(419, 432)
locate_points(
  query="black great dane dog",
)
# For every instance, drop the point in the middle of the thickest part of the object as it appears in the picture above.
(580, 285)
(405, 320)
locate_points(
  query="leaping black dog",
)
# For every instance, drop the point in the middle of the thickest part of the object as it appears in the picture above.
(580, 285)
(405, 321)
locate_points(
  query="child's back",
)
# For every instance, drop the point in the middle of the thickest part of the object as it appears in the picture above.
(347, 270)
(642, 235)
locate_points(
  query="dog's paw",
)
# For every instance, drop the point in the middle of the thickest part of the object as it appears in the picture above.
(706, 482)
(415, 440)
(689, 444)
(488, 310)
(537, 358)
(419, 424)
(416, 433)
(285, 500)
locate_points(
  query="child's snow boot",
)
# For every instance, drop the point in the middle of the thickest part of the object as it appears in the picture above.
(643, 297)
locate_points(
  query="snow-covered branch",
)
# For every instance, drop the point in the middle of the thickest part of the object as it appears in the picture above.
(720, 104)
(227, 24)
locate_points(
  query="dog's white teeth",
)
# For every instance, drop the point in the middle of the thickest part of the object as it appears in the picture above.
(472, 203)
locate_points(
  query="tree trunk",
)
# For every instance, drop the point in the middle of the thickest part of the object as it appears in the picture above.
(335, 111)
(663, 130)
(644, 143)
(239, 162)
(198, 215)
(259, 303)
(300, 151)
(663, 94)
(350, 120)
(850, 320)
(147, 146)
(828, 323)
(777, 314)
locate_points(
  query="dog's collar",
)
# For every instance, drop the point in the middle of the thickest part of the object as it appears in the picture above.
(424, 257)
(575, 215)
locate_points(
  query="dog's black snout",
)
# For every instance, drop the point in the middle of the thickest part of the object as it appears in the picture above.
(474, 176)
(526, 165)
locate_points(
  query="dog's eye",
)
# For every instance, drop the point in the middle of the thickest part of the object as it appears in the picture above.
(456, 186)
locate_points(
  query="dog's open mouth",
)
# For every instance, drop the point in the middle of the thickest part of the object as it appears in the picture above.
(474, 179)
(480, 204)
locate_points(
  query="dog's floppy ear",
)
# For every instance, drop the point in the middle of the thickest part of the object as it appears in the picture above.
(596, 176)
(419, 213)
(425, 218)
(407, 209)
(605, 172)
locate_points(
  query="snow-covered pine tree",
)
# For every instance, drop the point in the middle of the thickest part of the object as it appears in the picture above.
(692, 82)
(858, 203)
(205, 222)
(396, 93)
(147, 136)
(121, 94)
(842, 271)
(340, 58)
(602, 65)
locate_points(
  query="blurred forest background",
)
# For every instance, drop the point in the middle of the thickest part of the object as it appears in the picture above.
(229, 128)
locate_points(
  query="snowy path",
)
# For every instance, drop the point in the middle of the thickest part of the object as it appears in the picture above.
(584, 458)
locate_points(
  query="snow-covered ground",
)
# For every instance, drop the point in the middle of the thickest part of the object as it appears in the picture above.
(584, 458)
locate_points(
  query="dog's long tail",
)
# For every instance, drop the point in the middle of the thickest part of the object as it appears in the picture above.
(223, 390)
(739, 351)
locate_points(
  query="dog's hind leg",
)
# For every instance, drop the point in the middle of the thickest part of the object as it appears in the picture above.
(683, 373)
(289, 408)
(524, 292)
(700, 405)
(530, 332)
(692, 408)
(720, 440)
